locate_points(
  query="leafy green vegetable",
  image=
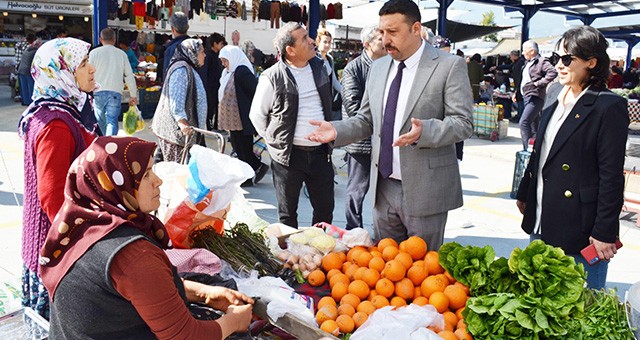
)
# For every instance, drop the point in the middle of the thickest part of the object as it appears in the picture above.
(469, 265)
(604, 318)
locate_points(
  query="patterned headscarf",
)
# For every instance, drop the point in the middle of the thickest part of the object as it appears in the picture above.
(54, 72)
(99, 197)
(236, 58)
(188, 51)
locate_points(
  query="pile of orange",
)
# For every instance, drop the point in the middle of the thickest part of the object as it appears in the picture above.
(389, 274)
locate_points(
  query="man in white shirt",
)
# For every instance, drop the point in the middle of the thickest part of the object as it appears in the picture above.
(290, 93)
(112, 65)
(415, 108)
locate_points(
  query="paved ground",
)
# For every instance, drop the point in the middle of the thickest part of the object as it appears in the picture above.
(488, 216)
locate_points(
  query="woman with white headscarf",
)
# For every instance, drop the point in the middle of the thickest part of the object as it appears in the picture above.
(55, 130)
(237, 87)
(183, 103)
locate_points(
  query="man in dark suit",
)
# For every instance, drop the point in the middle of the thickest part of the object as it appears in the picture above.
(536, 75)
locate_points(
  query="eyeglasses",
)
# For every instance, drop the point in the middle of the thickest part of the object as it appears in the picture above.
(566, 59)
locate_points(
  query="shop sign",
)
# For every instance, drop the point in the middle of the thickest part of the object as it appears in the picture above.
(45, 7)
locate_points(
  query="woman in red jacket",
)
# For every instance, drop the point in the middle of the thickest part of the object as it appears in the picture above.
(56, 128)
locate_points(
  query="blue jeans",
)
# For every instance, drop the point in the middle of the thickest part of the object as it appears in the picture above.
(107, 106)
(596, 274)
(26, 88)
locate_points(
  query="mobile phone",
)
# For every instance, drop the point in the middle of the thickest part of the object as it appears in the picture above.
(591, 255)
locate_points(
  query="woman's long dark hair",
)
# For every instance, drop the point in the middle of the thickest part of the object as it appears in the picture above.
(586, 42)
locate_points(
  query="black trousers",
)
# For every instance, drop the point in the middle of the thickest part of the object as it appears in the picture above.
(359, 167)
(313, 167)
(243, 145)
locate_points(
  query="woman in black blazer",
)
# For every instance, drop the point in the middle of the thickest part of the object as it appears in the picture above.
(572, 191)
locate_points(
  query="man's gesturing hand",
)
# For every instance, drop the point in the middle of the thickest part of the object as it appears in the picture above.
(412, 136)
(325, 132)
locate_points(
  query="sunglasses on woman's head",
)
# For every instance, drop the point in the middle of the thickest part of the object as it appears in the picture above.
(566, 59)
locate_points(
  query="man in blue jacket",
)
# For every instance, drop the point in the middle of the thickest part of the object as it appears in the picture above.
(179, 26)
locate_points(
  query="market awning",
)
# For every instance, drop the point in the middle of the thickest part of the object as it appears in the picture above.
(457, 31)
(505, 46)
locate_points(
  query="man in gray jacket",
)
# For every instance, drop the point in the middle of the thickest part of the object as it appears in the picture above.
(292, 92)
(354, 78)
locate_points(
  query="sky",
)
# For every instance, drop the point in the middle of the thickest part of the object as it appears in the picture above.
(541, 25)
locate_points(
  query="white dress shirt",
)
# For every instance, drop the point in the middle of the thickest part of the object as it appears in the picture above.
(557, 119)
(408, 75)
(526, 77)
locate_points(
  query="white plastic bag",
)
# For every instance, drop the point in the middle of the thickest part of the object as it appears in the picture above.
(401, 324)
(281, 297)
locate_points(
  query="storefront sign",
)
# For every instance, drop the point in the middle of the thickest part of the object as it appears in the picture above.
(45, 7)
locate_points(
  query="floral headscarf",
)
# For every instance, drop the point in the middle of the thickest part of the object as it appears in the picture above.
(188, 51)
(236, 58)
(99, 197)
(54, 72)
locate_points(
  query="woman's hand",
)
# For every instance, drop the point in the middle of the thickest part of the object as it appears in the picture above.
(185, 127)
(605, 251)
(222, 298)
(521, 206)
(237, 319)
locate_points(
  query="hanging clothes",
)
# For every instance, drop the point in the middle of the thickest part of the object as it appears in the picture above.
(323, 12)
(196, 7)
(233, 9)
(243, 11)
(164, 17)
(112, 9)
(264, 12)
(285, 11)
(338, 10)
(295, 13)
(123, 14)
(331, 12)
(221, 8)
(305, 15)
(210, 8)
(274, 16)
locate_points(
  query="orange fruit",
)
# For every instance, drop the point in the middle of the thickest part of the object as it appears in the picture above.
(316, 278)
(433, 284)
(419, 263)
(417, 274)
(385, 287)
(330, 327)
(377, 263)
(350, 299)
(376, 253)
(416, 247)
(461, 323)
(380, 301)
(450, 318)
(364, 258)
(346, 309)
(372, 294)
(366, 307)
(371, 277)
(405, 259)
(354, 252)
(439, 301)
(402, 246)
(451, 279)
(373, 248)
(385, 242)
(405, 289)
(345, 323)
(456, 295)
(357, 275)
(417, 292)
(332, 272)
(339, 290)
(389, 253)
(359, 318)
(359, 288)
(326, 300)
(461, 285)
(444, 278)
(420, 301)
(394, 270)
(331, 261)
(397, 301)
(343, 256)
(432, 262)
(459, 313)
(448, 335)
(327, 312)
(339, 278)
(351, 271)
(346, 265)
(462, 334)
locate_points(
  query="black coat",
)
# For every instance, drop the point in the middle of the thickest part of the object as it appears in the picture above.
(583, 175)
(245, 82)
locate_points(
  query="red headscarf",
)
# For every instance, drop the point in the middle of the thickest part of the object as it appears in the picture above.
(99, 197)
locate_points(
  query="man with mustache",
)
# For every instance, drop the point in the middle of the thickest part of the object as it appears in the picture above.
(415, 109)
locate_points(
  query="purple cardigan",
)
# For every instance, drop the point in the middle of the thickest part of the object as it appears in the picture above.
(35, 222)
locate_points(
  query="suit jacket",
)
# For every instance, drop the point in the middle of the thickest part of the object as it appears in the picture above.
(441, 98)
(583, 174)
(542, 73)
